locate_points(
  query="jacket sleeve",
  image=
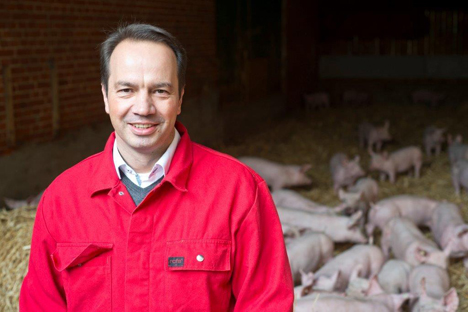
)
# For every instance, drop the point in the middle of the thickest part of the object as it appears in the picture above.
(262, 278)
(42, 288)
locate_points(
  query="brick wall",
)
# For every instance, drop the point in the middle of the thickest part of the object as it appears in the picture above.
(32, 33)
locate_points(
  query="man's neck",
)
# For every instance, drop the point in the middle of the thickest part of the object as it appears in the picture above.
(141, 162)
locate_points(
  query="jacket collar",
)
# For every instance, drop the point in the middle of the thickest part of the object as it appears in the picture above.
(104, 176)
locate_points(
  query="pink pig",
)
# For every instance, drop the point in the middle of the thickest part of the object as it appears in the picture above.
(368, 259)
(449, 229)
(338, 228)
(308, 252)
(344, 171)
(417, 209)
(292, 199)
(316, 100)
(431, 284)
(370, 135)
(408, 243)
(321, 302)
(399, 161)
(278, 175)
(394, 276)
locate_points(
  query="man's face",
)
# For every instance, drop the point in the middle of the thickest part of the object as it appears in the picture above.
(143, 99)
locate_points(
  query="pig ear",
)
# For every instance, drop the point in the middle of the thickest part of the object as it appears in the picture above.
(374, 287)
(420, 254)
(305, 167)
(399, 299)
(451, 300)
(423, 287)
(357, 158)
(370, 151)
(459, 138)
(307, 278)
(354, 219)
(334, 278)
(355, 272)
(385, 155)
(387, 124)
(461, 230)
(341, 194)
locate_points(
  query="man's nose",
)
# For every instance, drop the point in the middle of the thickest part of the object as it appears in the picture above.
(144, 104)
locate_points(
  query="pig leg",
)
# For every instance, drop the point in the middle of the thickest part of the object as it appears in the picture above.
(438, 148)
(417, 170)
(392, 177)
(456, 185)
(385, 245)
(465, 263)
(382, 176)
(378, 146)
(428, 150)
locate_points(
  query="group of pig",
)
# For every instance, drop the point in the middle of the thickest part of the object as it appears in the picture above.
(408, 266)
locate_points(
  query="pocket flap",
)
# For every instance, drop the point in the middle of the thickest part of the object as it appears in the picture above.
(198, 254)
(68, 255)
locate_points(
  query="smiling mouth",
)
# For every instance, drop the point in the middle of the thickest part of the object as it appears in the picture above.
(143, 126)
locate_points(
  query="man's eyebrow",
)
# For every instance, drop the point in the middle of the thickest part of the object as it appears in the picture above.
(124, 84)
(162, 85)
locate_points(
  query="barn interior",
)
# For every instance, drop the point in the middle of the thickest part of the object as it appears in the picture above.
(251, 65)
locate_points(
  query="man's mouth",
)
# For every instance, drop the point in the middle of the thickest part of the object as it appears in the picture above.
(143, 126)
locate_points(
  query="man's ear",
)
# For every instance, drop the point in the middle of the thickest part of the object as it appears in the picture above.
(104, 96)
(179, 110)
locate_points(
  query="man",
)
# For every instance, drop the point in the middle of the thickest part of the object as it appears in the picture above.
(155, 222)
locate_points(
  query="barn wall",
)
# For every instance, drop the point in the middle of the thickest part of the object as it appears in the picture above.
(442, 53)
(35, 35)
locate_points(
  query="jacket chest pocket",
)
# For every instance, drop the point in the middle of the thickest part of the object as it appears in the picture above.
(86, 273)
(197, 275)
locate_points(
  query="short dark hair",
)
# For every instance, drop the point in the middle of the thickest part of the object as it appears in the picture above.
(142, 32)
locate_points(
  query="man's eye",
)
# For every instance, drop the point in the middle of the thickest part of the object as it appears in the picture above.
(127, 90)
(161, 91)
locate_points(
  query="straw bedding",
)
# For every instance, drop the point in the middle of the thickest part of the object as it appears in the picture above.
(309, 138)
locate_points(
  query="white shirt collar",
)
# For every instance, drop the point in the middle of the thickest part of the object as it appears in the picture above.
(160, 168)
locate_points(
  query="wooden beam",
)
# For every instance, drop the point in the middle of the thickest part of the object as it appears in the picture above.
(55, 99)
(9, 107)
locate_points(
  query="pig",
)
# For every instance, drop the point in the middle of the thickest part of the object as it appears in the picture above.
(433, 139)
(31, 201)
(416, 208)
(360, 195)
(368, 259)
(456, 150)
(292, 199)
(316, 100)
(320, 302)
(278, 175)
(308, 252)
(353, 97)
(338, 228)
(449, 229)
(394, 276)
(460, 175)
(399, 161)
(427, 97)
(408, 243)
(344, 171)
(431, 284)
(370, 135)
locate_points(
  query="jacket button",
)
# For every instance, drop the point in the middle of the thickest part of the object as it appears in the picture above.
(121, 193)
(200, 258)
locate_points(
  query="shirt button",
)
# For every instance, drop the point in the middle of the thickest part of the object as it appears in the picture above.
(121, 193)
(200, 258)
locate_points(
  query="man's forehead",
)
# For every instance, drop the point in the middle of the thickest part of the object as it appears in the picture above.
(128, 45)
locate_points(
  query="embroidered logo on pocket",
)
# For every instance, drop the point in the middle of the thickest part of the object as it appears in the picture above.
(176, 262)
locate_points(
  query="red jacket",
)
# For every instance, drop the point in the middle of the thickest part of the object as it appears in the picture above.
(207, 238)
